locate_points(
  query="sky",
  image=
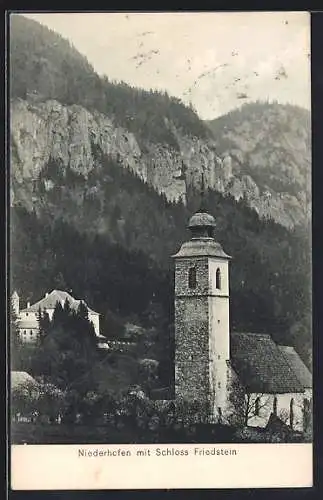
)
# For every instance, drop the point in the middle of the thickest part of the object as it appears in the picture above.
(216, 61)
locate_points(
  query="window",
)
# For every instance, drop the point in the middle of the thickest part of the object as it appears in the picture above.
(257, 407)
(291, 413)
(26, 314)
(219, 385)
(31, 333)
(192, 277)
(275, 406)
(218, 279)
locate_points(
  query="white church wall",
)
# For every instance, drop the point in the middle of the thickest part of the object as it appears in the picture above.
(219, 337)
(283, 409)
(241, 408)
(222, 265)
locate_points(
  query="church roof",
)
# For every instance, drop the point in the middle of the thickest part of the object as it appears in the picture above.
(261, 365)
(297, 365)
(202, 247)
(50, 301)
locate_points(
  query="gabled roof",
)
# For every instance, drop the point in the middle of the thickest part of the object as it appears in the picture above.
(261, 365)
(302, 372)
(19, 379)
(50, 301)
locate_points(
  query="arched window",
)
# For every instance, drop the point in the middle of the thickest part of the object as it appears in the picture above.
(257, 407)
(218, 279)
(275, 406)
(192, 277)
(291, 413)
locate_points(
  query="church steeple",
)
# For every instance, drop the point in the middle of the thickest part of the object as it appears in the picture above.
(202, 225)
(202, 316)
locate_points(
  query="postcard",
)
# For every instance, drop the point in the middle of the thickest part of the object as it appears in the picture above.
(160, 250)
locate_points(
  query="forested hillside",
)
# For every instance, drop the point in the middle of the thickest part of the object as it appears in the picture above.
(111, 243)
(61, 109)
(44, 62)
(271, 142)
(83, 218)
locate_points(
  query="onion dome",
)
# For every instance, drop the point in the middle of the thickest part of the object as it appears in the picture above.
(202, 242)
(202, 225)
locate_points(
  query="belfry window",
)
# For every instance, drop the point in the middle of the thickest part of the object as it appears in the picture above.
(257, 407)
(275, 406)
(218, 279)
(192, 277)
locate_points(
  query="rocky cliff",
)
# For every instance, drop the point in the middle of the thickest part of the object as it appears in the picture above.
(76, 137)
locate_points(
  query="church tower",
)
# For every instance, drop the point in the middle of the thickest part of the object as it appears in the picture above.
(202, 332)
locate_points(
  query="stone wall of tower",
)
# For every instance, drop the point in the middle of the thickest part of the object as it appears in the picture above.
(191, 349)
(202, 333)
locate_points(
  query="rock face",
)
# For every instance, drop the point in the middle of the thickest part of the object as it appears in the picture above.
(73, 136)
(268, 146)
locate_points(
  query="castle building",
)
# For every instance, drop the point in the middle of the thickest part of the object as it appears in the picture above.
(28, 316)
(229, 373)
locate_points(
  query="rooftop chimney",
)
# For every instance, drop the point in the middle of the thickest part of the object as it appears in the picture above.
(46, 294)
(28, 305)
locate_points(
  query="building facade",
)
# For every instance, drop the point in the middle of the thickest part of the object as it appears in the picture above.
(28, 317)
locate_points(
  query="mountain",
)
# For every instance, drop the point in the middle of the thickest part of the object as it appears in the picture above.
(103, 180)
(268, 146)
(61, 109)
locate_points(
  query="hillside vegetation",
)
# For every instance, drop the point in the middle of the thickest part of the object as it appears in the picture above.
(270, 142)
(108, 236)
(44, 62)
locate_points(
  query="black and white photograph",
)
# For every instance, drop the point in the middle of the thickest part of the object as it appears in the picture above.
(160, 228)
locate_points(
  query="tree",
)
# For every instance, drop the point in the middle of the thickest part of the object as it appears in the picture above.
(44, 326)
(15, 341)
(67, 352)
(51, 401)
(24, 398)
(243, 404)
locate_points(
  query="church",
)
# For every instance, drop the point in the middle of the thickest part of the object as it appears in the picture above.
(235, 376)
